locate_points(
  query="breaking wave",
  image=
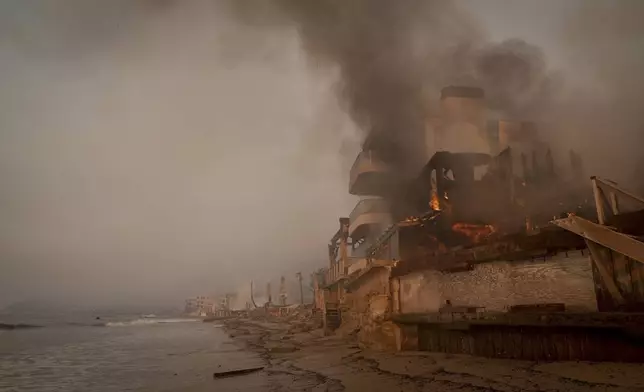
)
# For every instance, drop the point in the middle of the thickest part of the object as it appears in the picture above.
(148, 321)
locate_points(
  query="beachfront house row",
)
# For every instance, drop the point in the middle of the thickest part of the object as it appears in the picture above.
(464, 256)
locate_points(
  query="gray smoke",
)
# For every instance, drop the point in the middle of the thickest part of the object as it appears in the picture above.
(516, 79)
(601, 111)
(156, 149)
(393, 57)
(146, 156)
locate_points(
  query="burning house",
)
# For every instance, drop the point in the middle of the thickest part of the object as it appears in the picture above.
(471, 238)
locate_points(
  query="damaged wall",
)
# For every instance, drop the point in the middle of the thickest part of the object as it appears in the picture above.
(358, 301)
(366, 308)
(356, 265)
(497, 285)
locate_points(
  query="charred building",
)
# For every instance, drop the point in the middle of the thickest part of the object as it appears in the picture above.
(490, 230)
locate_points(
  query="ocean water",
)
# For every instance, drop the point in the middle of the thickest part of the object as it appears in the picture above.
(139, 354)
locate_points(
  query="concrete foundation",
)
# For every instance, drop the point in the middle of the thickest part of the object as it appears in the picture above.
(565, 278)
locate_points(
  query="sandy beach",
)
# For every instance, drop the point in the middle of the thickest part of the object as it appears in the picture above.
(299, 358)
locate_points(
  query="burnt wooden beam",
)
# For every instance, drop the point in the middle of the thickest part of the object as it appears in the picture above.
(599, 201)
(613, 187)
(600, 257)
(517, 246)
(550, 164)
(604, 236)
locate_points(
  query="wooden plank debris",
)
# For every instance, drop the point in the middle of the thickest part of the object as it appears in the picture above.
(604, 236)
(615, 188)
(237, 372)
(599, 201)
(598, 256)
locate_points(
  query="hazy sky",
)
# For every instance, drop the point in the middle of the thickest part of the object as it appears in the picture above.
(152, 150)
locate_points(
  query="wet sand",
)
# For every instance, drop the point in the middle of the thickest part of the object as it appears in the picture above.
(299, 359)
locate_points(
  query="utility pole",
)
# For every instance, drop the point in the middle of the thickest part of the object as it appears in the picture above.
(268, 293)
(252, 295)
(283, 291)
(299, 278)
(228, 298)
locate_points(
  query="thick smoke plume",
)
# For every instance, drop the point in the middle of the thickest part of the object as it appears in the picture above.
(516, 79)
(138, 136)
(602, 107)
(393, 57)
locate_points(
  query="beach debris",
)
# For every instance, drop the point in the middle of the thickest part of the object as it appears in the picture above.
(238, 372)
(282, 349)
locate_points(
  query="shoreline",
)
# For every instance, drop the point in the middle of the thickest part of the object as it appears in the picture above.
(275, 341)
(19, 326)
(299, 357)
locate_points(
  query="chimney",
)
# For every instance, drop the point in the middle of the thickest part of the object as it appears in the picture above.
(463, 120)
(462, 103)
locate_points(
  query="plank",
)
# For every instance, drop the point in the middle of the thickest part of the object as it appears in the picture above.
(617, 189)
(600, 261)
(238, 372)
(603, 235)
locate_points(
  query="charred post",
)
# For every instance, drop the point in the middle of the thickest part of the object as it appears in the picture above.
(536, 169)
(550, 165)
(524, 167)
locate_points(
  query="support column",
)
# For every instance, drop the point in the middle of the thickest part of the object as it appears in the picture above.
(299, 279)
(344, 238)
(395, 295)
(599, 202)
(331, 264)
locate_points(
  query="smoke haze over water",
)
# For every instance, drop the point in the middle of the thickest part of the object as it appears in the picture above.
(152, 150)
(144, 158)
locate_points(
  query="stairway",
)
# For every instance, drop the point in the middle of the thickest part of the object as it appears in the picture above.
(333, 318)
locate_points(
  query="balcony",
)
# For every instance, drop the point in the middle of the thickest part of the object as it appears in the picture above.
(366, 213)
(369, 175)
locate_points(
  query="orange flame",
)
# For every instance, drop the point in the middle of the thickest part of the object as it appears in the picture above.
(474, 232)
(434, 203)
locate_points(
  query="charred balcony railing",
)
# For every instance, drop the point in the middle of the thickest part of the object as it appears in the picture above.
(369, 175)
(360, 248)
(368, 212)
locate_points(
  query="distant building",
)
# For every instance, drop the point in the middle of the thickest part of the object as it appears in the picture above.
(200, 306)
